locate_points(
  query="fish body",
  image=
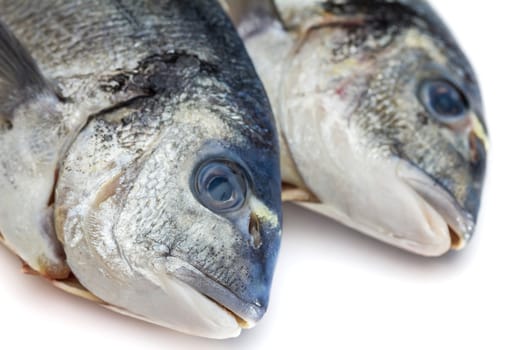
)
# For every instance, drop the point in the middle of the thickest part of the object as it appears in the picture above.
(380, 115)
(138, 155)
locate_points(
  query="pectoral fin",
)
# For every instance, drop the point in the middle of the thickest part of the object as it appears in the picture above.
(20, 77)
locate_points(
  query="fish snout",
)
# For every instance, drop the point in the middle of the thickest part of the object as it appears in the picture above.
(455, 206)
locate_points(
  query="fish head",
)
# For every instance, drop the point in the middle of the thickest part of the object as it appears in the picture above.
(399, 112)
(169, 208)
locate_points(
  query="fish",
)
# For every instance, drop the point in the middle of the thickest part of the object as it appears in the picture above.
(380, 115)
(139, 159)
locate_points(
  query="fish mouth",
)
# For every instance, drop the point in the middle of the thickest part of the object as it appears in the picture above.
(246, 313)
(244, 324)
(451, 224)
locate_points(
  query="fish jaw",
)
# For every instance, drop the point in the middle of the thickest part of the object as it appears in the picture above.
(210, 319)
(166, 301)
(387, 208)
(461, 221)
(396, 202)
(246, 314)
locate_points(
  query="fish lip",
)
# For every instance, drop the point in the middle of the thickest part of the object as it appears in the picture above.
(461, 223)
(244, 323)
(247, 314)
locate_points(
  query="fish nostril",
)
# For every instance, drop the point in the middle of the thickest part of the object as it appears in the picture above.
(255, 232)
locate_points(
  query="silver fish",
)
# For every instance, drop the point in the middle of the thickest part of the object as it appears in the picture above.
(380, 115)
(139, 151)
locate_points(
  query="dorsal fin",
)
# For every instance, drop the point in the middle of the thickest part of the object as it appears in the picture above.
(251, 16)
(20, 77)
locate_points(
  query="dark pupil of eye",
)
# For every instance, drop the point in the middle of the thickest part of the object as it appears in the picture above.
(220, 189)
(446, 100)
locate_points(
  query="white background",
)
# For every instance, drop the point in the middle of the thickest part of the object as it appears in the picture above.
(334, 288)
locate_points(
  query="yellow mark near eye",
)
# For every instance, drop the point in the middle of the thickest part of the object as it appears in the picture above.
(263, 212)
(479, 131)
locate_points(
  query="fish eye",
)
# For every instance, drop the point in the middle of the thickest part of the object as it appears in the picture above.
(443, 100)
(220, 185)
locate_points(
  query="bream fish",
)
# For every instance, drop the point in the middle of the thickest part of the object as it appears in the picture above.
(380, 115)
(139, 156)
